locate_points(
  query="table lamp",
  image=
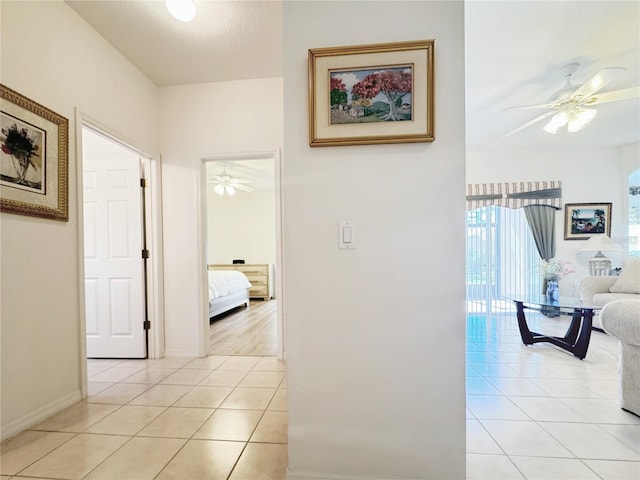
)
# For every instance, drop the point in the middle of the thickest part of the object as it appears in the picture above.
(599, 265)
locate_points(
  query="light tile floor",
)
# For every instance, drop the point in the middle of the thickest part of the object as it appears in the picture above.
(532, 413)
(538, 412)
(218, 417)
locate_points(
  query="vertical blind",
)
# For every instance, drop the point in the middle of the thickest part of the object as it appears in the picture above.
(502, 257)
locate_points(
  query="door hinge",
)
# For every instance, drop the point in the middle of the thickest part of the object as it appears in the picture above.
(147, 324)
(145, 253)
(143, 183)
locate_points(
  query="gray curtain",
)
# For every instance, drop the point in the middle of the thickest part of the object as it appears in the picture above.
(541, 219)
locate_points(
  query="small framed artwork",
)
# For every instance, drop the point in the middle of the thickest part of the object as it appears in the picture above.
(583, 220)
(33, 158)
(372, 94)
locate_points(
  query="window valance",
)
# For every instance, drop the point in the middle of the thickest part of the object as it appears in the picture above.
(514, 194)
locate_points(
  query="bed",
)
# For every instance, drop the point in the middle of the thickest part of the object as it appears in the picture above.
(227, 289)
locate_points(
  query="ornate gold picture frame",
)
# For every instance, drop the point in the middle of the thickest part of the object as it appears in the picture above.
(372, 94)
(34, 160)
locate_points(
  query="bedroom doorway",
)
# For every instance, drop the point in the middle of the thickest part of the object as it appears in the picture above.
(245, 227)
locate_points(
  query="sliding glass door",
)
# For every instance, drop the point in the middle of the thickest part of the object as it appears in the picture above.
(501, 259)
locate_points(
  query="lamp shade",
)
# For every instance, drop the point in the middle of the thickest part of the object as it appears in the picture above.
(600, 243)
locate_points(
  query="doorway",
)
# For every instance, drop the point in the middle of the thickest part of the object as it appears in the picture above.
(245, 227)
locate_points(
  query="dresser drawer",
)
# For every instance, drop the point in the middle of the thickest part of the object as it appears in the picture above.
(253, 269)
(259, 291)
(256, 279)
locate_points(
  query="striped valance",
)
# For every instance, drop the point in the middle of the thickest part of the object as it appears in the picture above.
(514, 194)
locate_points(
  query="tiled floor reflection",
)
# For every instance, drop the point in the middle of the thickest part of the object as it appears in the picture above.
(533, 412)
(220, 417)
(538, 412)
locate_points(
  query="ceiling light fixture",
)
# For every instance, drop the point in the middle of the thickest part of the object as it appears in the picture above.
(568, 106)
(183, 10)
(575, 118)
(225, 183)
(221, 188)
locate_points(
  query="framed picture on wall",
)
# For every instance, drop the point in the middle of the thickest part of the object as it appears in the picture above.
(33, 158)
(371, 94)
(584, 220)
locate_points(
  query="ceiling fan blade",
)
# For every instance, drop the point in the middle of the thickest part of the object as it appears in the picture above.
(241, 180)
(242, 187)
(598, 81)
(541, 105)
(528, 124)
(614, 96)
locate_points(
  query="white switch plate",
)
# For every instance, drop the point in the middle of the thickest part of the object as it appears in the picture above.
(346, 235)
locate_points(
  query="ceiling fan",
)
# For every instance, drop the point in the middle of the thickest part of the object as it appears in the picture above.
(568, 106)
(226, 183)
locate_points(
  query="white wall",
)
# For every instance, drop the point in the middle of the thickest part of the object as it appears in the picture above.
(51, 56)
(593, 175)
(241, 226)
(375, 336)
(630, 158)
(199, 121)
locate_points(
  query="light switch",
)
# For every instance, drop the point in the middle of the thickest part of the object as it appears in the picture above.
(346, 235)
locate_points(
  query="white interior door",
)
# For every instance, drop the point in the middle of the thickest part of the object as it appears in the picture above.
(114, 268)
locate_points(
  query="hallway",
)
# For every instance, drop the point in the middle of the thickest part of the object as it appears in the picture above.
(217, 417)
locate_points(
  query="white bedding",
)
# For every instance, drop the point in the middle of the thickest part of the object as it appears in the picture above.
(226, 282)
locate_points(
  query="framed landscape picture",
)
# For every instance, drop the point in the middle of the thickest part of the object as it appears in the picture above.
(371, 94)
(583, 220)
(33, 158)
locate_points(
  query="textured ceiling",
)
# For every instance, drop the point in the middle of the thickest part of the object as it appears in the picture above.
(228, 40)
(514, 55)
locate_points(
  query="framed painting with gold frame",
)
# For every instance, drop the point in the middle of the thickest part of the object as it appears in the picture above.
(372, 94)
(34, 159)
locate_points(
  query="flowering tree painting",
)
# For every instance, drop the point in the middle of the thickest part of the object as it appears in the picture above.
(371, 95)
(21, 156)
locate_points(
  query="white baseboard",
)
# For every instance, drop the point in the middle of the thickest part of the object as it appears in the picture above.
(181, 353)
(333, 476)
(40, 414)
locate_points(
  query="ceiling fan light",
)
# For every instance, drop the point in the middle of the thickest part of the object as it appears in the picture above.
(219, 189)
(580, 118)
(230, 190)
(183, 10)
(560, 119)
(551, 127)
(587, 114)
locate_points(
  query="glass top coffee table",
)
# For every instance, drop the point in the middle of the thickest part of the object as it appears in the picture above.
(576, 340)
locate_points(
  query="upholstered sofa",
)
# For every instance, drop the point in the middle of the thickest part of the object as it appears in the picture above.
(599, 291)
(621, 319)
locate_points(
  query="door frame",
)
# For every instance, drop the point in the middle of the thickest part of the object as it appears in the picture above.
(202, 237)
(153, 232)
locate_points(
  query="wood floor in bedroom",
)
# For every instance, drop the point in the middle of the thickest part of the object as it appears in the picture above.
(245, 331)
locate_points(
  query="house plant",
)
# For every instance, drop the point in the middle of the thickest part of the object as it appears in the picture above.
(552, 271)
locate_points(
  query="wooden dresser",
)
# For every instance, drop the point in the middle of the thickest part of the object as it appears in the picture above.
(259, 275)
